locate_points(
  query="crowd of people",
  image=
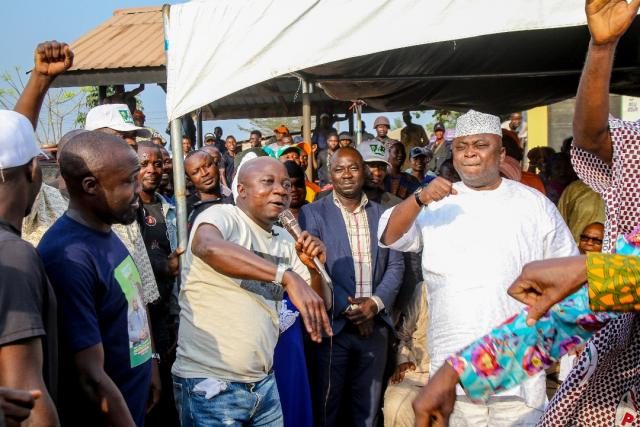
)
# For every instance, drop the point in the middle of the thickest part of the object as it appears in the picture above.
(426, 281)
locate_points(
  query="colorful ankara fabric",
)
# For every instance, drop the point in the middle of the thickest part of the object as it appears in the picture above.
(601, 388)
(514, 351)
(613, 282)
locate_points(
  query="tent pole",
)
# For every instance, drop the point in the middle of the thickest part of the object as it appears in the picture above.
(306, 123)
(179, 182)
(358, 125)
(179, 186)
(200, 139)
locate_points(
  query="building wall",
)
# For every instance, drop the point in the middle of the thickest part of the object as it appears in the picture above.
(550, 125)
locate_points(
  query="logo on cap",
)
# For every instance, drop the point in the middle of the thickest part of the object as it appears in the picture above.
(126, 116)
(377, 149)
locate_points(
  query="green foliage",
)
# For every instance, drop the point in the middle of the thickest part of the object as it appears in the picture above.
(447, 117)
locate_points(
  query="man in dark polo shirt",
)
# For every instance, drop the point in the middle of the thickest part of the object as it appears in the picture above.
(28, 336)
(28, 323)
(106, 347)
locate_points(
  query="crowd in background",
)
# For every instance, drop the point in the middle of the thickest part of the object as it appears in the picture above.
(324, 282)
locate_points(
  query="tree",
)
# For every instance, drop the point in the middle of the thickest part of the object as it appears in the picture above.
(446, 117)
(59, 110)
(266, 126)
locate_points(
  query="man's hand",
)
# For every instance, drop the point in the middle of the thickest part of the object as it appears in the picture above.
(366, 328)
(608, 20)
(155, 387)
(173, 262)
(545, 283)
(434, 404)
(398, 374)
(436, 190)
(309, 304)
(308, 247)
(52, 59)
(17, 404)
(366, 310)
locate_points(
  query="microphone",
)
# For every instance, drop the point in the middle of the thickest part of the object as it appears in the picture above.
(290, 223)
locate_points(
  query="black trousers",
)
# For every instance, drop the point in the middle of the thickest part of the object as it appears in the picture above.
(349, 377)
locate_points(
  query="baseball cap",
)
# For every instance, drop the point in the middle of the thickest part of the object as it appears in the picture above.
(282, 129)
(345, 135)
(305, 147)
(18, 143)
(438, 126)
(116, 117)
(373, 151)
(419, 151)
(208, 136)
(286, 148)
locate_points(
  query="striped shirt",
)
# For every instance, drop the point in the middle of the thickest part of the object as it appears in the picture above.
(359, 235)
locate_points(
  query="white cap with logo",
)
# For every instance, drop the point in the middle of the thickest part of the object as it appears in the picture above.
(373, 151)
(18, 143)
(116, 117)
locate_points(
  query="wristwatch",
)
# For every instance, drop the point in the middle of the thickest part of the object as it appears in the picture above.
(156, 356)
(416, 195)
(282, 268)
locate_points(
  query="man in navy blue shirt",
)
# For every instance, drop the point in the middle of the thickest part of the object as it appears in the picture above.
(106, 343)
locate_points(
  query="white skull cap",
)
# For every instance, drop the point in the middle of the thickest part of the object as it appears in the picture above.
(474, 123)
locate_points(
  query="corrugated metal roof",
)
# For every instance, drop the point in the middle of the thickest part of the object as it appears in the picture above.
(131, 38)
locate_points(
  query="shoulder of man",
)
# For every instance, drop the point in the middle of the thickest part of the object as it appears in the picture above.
(16, 252)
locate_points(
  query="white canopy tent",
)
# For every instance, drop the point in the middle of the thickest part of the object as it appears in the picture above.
(218, 47)
(394, 54)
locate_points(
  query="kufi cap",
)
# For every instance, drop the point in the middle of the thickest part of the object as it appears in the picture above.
(475, 123)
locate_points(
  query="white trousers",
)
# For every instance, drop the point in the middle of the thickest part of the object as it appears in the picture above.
(497, 412)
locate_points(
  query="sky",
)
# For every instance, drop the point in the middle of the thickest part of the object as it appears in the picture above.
(29, 22)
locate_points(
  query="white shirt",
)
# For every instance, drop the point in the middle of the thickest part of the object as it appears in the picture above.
(474, 244)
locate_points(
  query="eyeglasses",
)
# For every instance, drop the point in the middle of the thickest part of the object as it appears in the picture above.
(588, 239)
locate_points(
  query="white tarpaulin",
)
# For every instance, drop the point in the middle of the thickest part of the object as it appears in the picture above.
(217, 47)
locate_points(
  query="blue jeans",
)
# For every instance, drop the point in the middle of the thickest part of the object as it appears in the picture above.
(241, 404)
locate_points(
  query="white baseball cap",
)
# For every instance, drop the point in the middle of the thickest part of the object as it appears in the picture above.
(116, 117)
(373, 151)
(18, 143)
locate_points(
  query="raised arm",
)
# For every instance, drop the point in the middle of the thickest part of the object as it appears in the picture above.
(405, 214)
(50, 60)
(608, 20)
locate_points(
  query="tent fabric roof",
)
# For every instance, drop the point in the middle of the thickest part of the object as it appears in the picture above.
(130, 42)
(451, 54)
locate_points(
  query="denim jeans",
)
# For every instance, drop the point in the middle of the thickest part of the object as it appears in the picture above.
(241, 404)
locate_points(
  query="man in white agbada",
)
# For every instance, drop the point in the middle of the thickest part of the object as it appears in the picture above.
(475, 237)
